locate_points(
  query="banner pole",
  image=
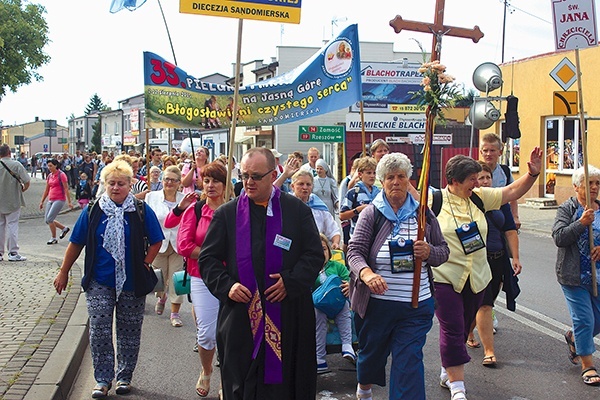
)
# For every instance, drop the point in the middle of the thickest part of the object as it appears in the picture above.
(236, 91)
(583, 133)
(362, 128)
(147, 156)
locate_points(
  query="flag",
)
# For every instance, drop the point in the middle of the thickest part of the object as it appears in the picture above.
(330, 80)
(118, 5)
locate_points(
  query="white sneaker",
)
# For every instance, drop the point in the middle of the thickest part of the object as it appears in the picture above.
(16, 257)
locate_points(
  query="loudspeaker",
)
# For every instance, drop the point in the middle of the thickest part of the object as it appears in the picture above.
(487, 77)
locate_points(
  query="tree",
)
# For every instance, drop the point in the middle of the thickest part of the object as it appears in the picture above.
(96, 104)
(23, 35)
(96, 137)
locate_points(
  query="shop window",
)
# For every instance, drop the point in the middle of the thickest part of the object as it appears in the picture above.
(563, 145)
(513, 147)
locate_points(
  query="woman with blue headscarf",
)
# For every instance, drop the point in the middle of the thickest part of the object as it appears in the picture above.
(381, 257)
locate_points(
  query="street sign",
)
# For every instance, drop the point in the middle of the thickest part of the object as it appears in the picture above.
(574, 24)
(565, 73)
(208, 143)
(45, 148)
(315, 133)
(565, 103)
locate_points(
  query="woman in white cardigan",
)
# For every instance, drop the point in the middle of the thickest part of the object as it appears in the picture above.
(161, 202)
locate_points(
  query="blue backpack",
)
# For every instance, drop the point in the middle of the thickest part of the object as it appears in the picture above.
(328, 298)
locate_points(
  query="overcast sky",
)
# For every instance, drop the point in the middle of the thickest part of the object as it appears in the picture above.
(94, 51)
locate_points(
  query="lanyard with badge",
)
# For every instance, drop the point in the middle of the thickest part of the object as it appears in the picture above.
(468, 234)
(402, 257)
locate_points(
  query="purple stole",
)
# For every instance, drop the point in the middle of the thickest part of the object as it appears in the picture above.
(265, 324)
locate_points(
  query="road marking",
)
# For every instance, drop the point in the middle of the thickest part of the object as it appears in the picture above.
(559, 325)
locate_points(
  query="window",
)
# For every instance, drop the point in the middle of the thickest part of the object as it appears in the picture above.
(513, 147)
(563, 144)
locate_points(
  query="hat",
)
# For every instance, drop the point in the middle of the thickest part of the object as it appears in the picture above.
(276, 154)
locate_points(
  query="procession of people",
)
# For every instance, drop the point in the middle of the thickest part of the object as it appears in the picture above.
(252, 298)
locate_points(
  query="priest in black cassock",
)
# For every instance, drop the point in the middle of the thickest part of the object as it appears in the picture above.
(260, 258)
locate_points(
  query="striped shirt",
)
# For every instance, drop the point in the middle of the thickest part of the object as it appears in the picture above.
(400, 284)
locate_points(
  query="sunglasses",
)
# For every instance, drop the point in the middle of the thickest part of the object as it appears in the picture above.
(256, 177)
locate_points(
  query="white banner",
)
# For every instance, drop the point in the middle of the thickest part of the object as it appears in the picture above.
(376, 122)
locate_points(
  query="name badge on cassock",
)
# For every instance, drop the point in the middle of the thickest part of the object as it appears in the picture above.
(402, 257)
(470, 237)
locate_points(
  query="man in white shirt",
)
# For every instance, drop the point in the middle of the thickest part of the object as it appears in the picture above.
(14, 180)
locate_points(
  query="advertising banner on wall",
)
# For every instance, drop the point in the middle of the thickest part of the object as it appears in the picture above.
(386, 122)
(328, 81)
(389, 87)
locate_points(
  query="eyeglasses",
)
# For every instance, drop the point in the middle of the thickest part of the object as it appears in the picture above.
(171, 180)
(256, 177)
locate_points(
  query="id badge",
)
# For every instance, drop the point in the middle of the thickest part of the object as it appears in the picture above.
(470, 237)
(402, 258)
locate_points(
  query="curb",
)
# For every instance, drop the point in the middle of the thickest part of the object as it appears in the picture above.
(55, 380)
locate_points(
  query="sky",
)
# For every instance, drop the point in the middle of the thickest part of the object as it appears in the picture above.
(95, 52)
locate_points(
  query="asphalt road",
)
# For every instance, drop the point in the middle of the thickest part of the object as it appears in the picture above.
(529, 345)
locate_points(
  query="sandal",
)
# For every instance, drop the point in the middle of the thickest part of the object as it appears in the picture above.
(203, 384)
(100, 390)
(489, 361)
(573, 357)
(473, 344)
(593, 379)
(363, 394)
(459, 395)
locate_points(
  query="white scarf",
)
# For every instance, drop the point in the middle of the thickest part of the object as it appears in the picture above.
(114, 235)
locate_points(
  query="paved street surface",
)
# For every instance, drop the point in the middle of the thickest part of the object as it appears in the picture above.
(43, 353)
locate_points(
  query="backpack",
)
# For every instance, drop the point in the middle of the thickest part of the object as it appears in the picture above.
(507, 172)
(198, 210)
(437, 200)
(140, 210)
(328, 298)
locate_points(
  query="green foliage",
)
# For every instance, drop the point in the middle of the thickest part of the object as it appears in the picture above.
(23, 35)
(467, 99)
(439, 90)
(96, 104)
(96, 137)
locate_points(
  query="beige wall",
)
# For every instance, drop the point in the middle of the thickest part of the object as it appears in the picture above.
(531, 82)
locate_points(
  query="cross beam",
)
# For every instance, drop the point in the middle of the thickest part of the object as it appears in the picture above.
(438, 29)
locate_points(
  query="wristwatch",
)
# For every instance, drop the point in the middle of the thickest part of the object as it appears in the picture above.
(355, 211)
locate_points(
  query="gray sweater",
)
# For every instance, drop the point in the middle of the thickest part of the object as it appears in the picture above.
(566, 231)
(361, 256)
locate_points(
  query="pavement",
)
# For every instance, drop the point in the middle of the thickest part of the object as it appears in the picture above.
(43, 336)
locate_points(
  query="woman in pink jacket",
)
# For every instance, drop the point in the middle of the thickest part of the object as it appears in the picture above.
(192, 231)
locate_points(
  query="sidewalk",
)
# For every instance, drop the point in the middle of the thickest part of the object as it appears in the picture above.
(43, 336)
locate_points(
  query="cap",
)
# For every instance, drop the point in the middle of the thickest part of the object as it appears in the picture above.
(276, 153)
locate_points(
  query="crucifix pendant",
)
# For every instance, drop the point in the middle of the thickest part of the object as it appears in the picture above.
(322, 192)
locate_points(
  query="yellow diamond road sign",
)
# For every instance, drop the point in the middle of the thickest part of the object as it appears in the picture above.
(565, 103)
(565, 74)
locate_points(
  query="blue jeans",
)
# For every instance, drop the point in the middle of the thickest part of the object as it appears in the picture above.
(585, 314)
(396, 327)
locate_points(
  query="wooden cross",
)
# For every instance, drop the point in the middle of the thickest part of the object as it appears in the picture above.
(438, 29)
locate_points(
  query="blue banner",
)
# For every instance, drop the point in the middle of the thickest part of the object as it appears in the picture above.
(330, 80)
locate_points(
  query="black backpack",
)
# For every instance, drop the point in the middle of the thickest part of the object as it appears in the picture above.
(437, 200)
